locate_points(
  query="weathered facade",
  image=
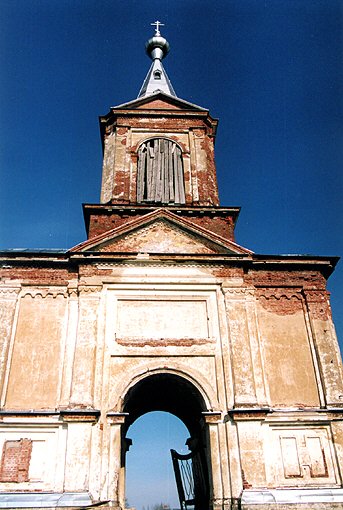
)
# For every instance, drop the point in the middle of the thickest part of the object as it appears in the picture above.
(160, 309)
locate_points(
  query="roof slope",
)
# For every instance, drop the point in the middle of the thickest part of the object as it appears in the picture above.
(156, 81)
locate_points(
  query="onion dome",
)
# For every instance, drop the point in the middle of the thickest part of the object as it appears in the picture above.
(157, 47)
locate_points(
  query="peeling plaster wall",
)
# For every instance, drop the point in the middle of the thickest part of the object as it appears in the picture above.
(288, 360)
(35, 361)
(244, 339)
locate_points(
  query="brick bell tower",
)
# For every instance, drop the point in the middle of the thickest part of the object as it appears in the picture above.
(158, 154)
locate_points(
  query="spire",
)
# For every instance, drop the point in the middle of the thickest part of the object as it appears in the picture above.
(157, 79)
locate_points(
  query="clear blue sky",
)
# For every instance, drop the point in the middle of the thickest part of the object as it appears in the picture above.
(271, 70)
(150, 477)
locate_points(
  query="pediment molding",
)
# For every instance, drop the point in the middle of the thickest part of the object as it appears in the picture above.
(160, 231)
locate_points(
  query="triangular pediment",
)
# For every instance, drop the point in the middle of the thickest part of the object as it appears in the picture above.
(160, 232)
(159, 100)
(159, 236)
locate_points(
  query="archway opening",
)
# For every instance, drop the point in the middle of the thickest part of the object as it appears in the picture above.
(150, 479)
(175, 395)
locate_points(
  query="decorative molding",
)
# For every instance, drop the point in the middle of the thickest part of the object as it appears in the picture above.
(110, 129)
(318, 302)
(44, 292)
(248, 413)
(73, 291)
(316, 296)
(116, 418)
(279, 293)
(80, 415)
(9, 292)
(136, 262)
(85, 290)
(281, 300)
(237, 292)
(200, 133)
(163, 342)
(31, 412)
(212, 417)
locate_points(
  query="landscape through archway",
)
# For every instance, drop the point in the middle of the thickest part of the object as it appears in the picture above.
(150, 477)
(176, 395)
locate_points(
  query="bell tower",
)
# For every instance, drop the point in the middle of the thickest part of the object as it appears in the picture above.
(158, 152)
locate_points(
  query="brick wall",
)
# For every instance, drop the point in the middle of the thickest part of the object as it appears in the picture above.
(101, 223)
(15, 461)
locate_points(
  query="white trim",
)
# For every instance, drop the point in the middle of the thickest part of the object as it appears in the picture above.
(289, 496)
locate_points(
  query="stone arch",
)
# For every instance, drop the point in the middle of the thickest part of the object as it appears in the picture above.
(176, 393)
(160, 173)
(168, 138)
(195, 378)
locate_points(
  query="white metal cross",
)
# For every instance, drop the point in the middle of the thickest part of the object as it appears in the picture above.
(158, 24)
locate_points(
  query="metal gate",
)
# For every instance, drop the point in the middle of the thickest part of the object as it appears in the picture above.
(191, 479)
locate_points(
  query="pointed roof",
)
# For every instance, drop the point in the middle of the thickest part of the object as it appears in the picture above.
(157, 79)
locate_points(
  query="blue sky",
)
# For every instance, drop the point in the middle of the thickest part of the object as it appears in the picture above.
(270, 70)
(150, 454)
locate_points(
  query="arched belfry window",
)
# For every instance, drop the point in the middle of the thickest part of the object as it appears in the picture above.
(160, 172)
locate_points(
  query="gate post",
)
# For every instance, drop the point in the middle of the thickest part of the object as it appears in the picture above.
(213, 420)
(116, 486)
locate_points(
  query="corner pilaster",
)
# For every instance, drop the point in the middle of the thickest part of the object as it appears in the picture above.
(8, 303)
(85, 351)
(326, 346)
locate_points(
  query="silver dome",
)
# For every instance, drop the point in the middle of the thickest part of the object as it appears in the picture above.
(157, 47)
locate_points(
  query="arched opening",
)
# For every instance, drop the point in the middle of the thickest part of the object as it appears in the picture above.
(174, 394)
(150, 479)
(160, 176)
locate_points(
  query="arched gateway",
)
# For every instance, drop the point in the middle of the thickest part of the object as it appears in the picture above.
(187, 395)
(160, 309)
(165, 391)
